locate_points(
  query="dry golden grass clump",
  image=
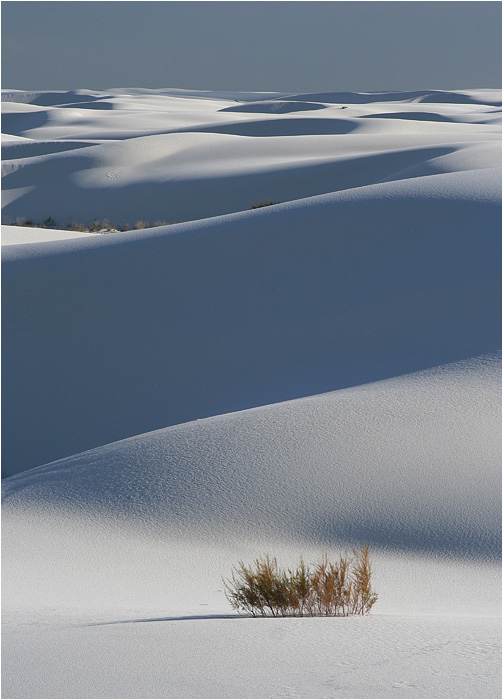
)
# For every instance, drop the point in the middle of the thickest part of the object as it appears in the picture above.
(327, 589)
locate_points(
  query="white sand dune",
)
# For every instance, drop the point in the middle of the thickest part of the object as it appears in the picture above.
(19, 235)
(406, 463)
(171, 158)
(140, 330)
(181, 177)
(477, 97)
(303, 377)
(128, 542)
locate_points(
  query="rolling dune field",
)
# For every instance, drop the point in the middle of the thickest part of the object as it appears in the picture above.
(295, 349)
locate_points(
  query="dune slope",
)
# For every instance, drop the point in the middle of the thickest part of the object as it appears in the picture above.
(120, 334)
(404, 463)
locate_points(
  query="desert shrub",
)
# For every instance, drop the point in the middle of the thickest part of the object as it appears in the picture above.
(73, 226)
(21, 221)
(328, 589)
(362, 596)
(264, 204)
(101, 226)
(49, 223)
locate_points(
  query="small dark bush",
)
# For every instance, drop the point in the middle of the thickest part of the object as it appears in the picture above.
(264, 204)
(328, 589)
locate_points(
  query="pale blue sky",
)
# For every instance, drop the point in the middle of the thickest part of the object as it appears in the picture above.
(273, 46)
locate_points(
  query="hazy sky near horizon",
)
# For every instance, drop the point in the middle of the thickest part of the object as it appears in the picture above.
(252, 46)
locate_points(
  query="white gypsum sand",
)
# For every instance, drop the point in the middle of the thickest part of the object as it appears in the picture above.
(294, 379)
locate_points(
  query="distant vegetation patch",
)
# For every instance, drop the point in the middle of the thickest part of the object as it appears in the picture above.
(264, 204)
(97, 226)
(327, 589)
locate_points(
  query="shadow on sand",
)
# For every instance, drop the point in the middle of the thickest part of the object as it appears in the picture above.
(179, 618)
